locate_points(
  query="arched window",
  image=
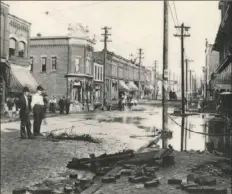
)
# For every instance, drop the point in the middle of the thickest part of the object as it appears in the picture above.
(22, 49)
(12, 47)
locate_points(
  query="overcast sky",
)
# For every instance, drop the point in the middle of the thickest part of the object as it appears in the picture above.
(135, 24)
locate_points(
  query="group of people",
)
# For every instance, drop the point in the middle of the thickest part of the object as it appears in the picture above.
(36, 104)
(64, 104)
(172, 95)
(126, 99)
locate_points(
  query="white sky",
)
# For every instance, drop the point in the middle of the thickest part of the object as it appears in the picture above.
(135, 24)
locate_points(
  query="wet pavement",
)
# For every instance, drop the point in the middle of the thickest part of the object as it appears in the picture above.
(23, 161)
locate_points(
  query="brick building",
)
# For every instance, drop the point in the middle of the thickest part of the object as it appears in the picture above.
(63, 65)
(223, 44)
(4, 64)
(123, 76)
(19, 49)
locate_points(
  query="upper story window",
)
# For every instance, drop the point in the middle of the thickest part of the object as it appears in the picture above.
(54, 63)
(31, 63)
(44, 64)
(22, 49)
(12, 47)
(88, 63)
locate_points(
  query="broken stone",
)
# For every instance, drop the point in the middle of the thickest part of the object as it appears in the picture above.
(43, 191)
(206, 180)
(140, 179)
(190, 178)
(109, 179)
(117, 176)
(188, 185)
(168, 161)
(19, 191)
(129, 166)
(151, 169)
(77, 183)
(153, 183)
(68, 189)
(73, 176)
(174, 181)
(126, 172)
(220, 191)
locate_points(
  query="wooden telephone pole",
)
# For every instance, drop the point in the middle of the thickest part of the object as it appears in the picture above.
(105, 35)
(187, 62)
(165, 73)
(182, 36)
(140, 61)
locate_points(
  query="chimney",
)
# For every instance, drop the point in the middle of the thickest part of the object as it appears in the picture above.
(39, 35)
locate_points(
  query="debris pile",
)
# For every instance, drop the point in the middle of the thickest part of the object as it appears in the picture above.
(198, 184)
(69, 136)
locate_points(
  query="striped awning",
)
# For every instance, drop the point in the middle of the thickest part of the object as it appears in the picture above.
(132, 87)
(123, 87)
(21, 77)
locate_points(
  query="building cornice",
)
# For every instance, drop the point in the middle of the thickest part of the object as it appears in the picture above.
(18, 19)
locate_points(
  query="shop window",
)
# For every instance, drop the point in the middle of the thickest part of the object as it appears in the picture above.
(12, 47)
(22, 49)
(31, 63)
(44, 64)
(54, 63)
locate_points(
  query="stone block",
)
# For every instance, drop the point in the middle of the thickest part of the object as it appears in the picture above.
(126, 172)
(117, 175)
(68, 189)
(153, 183)
(174, 181)
(184, 186)
(151, 169)
(140, 179)
(73, 176)
(129, 166)
(205, 180)
(19, 191)
(43, 191)
(191, 177)
(220, 191)
(108, 179)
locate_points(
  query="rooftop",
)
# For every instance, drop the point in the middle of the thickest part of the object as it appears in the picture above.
(15, 17)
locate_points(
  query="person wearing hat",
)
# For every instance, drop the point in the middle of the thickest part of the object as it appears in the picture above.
(37, 104)
(24, 114)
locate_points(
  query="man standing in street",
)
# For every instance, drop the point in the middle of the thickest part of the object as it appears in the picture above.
(37, 105)
(24, 114)
(67, 104)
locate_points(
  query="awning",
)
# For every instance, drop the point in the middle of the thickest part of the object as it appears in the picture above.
(222, 86)
(226, 93)
(21, 77)
(123, 87)
(132, 87)
(149, 87)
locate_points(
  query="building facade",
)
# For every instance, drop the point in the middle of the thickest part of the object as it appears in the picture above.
(4, 64)
(222, 78)
(64, 65)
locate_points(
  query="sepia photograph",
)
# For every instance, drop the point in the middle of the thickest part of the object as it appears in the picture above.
(116, 97)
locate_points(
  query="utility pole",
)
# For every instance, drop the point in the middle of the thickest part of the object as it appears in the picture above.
(190, 84)
(182, 36)
(187, 61)
(140, 61)
(165, 73)
(206, 66)
(105, 35)
(155, 82)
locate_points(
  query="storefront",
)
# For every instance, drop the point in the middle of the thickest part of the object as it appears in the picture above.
(122, 88)
(148, 91)
(97, 93)
(114, 91)
(20, 77)
(133, 88)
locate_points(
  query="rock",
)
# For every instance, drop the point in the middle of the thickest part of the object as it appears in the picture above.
(19, 191)
(77, 183)
(205, 180)
(174, 181)
(117, 175)
(129, 166)
(126, 172)
(140, 179)
(68, 189)
(108, 179)
(153, 183)
(168, 161)
(73, 176)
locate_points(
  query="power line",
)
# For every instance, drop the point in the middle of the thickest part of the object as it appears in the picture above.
(82, 6)
(176, 13)
(172, 14)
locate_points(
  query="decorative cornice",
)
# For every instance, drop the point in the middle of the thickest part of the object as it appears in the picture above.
(48, 45)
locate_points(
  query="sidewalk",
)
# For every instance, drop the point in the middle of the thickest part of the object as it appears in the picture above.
(184, 163)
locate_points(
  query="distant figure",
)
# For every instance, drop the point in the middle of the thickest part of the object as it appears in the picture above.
(37, 105)
(10, 105)
(62, 104)
(24, 114)
(53, 104)
(67, 104)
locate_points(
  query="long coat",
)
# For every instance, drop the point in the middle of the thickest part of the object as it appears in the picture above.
(24, 109)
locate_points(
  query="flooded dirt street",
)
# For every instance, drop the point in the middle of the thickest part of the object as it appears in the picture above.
(25, 162)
